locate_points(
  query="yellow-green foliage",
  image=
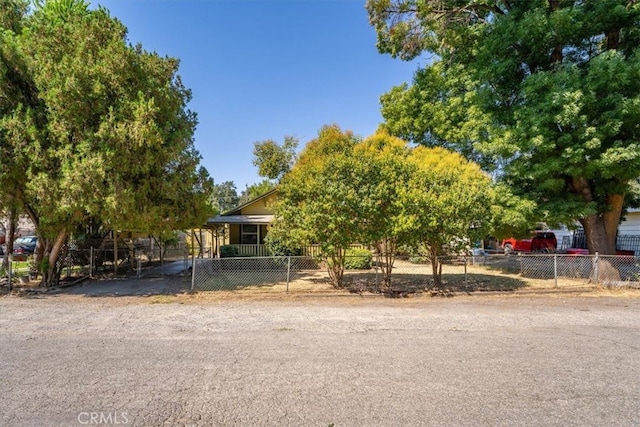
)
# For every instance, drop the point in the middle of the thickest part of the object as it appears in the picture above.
(358, 259)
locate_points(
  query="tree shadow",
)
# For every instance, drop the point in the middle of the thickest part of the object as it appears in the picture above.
(403, 284)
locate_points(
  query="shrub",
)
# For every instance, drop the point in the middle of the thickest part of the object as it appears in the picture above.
(227, 251)
(277, 247)
(358, 259)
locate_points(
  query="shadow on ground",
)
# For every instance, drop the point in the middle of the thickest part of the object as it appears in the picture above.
(129, 287)
(451, 283)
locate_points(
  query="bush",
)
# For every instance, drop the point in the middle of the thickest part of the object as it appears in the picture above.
(227, 251)
(358, 259)
(277, 247)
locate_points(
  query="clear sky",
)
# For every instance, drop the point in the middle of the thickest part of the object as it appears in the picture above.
(263, 69)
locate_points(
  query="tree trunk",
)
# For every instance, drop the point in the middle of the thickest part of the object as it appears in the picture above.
(386, 249)
(335, 264)
(436, 268)
(50, 276)
(601, 230)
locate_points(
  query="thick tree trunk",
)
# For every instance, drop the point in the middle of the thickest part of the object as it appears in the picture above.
(50, 276)
(601, 229)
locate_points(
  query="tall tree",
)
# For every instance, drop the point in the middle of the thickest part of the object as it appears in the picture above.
(446, 202)
(380, 171)
(19, 105)
(273, 160)
(109, 135)
(256, 190)
(550, 88)
(318, 202)
(224, 196)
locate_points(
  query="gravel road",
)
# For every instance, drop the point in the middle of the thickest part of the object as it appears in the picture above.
(70, 360)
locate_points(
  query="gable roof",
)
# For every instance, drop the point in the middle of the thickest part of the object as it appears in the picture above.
(235, 215)
(238, 209)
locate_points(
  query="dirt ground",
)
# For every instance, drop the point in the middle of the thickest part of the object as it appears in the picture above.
(150, 357)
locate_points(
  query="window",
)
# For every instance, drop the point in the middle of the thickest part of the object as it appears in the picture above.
(249, 234)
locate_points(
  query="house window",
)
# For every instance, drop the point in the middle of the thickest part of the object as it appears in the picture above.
(249, 234)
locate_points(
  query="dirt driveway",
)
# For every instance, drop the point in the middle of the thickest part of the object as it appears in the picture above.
(219, 359)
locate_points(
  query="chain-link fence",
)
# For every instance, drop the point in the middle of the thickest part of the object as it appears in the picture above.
(409, 274)
(415, 274)
(127, 260)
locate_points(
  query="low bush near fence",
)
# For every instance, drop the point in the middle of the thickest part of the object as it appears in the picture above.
(358, 259)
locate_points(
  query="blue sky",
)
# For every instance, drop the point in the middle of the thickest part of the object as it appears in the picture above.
(263, 69)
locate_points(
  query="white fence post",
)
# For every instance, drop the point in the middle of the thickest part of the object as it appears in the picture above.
(595, 266)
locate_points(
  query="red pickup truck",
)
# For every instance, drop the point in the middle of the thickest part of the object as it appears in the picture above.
(540, 241)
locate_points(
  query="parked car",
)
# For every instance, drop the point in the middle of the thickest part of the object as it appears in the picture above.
(23, 247)
(540, 241)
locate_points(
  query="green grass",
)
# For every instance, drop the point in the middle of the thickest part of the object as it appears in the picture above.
(20, 266)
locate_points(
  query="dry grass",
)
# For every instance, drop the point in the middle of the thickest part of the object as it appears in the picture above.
(315, 284)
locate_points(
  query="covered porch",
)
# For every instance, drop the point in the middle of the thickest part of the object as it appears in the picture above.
(245, 233)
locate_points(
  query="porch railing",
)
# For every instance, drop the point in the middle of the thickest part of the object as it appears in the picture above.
(252, 250)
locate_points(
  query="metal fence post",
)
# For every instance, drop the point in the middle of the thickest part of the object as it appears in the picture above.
(193, 271)
(555, 269)
(288, 271)
(595, 266)
(465, 270)
(91, 262)
(139, 267)
(10, 272)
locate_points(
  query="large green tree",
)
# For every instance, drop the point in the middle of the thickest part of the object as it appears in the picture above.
(318, 202)
(273, 160)
(100, 130)
(380, 173)
(18, 103)
(550, 89)
(380, 192)
(224, 196)
(446, 203)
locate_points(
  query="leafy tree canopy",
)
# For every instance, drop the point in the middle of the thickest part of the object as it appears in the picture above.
(548, 90)
(224, 196)
(273, 160)
(256, 190)
(381, 192)
(96, 128)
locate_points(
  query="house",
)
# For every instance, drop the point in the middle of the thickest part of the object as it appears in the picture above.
(631, 225)
(629, 232)
(245, 226)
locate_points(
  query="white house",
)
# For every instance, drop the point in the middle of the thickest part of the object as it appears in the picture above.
(631, 225)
